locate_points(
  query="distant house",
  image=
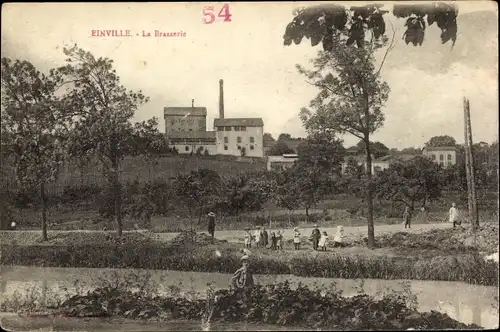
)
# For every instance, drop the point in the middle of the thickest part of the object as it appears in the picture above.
(360, 160)
(442, 155)
(383, 163)
(193, 141)
(234, 135)
(281, 162)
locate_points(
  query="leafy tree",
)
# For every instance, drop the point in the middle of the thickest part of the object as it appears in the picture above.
(102, 112)
(350, 100)
(417, 180)
(200, 190)
(411, 150)
(279, 148)
(285, 190)
(33, 126)
(318, 164)
(324, 23)
(284, 136)
(353, 168)
(443, 140)
(268, 136)
(379, 149)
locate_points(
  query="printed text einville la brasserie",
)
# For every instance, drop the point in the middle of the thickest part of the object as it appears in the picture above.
(129, 33)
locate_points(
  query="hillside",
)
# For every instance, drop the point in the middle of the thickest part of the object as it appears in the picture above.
(163, 168)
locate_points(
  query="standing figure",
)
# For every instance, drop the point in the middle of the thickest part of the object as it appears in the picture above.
(279, 240)
(339, 237)
(453, 215)
(296, 238)
(323, 241)
(273, 241)
(248, 238)
(407, 217)
(316, 234)
(265, 237)
(211, 224)
(243, 277)
(257, 237)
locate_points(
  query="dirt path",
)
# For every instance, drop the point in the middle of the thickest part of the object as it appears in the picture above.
(237, 235)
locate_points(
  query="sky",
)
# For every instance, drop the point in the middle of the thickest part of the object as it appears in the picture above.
(260, 79)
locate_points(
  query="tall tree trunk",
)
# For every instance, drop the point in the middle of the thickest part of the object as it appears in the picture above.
(118, 205)
(369, 193)
(43, 202)
(307, 213)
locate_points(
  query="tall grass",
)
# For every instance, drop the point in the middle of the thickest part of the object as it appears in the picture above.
(470, 268)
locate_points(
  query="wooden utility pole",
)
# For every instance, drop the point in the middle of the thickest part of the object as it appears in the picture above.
(467, 164)
(469, 167)
(475, 217)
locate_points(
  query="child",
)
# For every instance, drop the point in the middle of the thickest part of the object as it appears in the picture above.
(407, 217)
(338, 239)
(296, 238)
(279, 240)
(273, 241)
(248, 238)
(323, 241)
(257, 236)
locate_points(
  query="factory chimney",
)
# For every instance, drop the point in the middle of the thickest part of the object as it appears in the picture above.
(192, 103)
(221, 99)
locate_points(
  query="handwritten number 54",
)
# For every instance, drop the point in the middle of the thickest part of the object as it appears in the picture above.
(208, 12)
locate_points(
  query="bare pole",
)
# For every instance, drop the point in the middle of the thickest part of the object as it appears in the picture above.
(475, 216)
(467, 164)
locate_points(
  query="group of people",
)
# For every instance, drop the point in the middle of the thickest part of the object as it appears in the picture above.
(453, 216)
(274, 240)
(262, 238)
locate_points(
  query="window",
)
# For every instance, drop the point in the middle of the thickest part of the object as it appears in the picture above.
(441, 163)
(433, 157)
(226, 140)
(238, 139)
(449, 156)
(441, 157)
(236, 128)
(172, 122)
(190, 129)
(252, 139)
(251, 147)
(225, 147)
(186, 148)
(227, 129)
(190, 121)
(220, 128)
(239, 147)
(243, 128)
(201, 123)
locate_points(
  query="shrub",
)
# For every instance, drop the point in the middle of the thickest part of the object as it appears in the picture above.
(271, 304)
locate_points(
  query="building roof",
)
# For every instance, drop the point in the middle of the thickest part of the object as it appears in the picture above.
(440, 148)
(284, 158)
(391, 157)
(195, 111)
(191, 135)
(246, 122)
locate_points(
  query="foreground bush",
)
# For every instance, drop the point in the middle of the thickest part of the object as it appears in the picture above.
(272, 304)
(470, 268)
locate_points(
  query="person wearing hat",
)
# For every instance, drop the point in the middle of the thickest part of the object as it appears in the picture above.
(315, 236)
(257, 237)
(242, 278)
(296, 238)
(211, 223)
(248, 238)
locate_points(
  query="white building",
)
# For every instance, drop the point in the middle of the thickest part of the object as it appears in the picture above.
(202, 142)
(240, 136)
(442, 155)
(281, 162)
